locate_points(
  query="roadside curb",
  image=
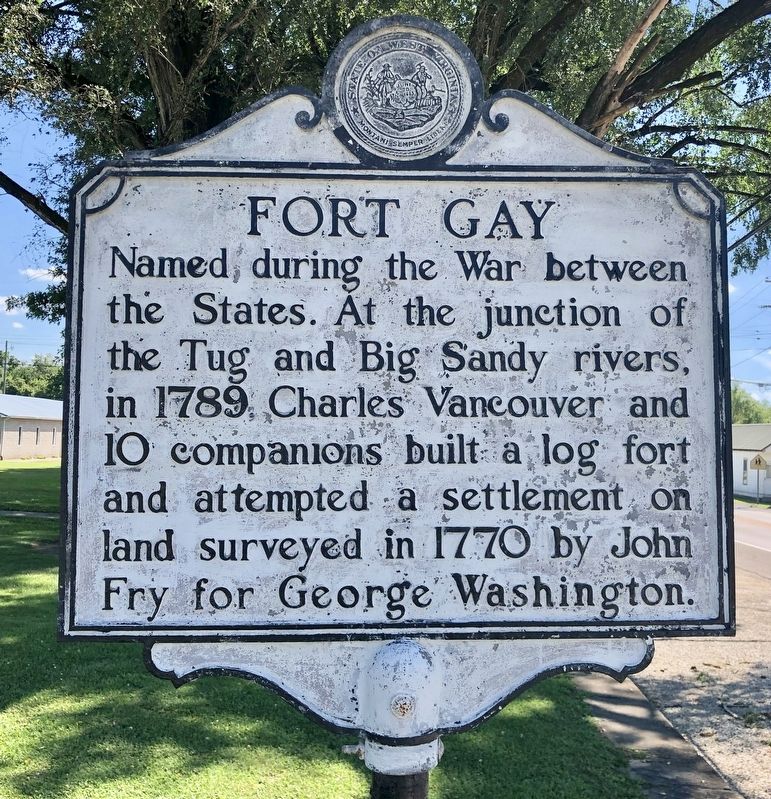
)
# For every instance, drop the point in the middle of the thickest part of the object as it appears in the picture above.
(660, 758)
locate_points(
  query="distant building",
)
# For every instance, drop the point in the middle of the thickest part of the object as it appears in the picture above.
(30, 427)
(752, 448)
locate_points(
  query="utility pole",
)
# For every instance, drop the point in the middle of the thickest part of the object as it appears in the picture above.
(5, 365)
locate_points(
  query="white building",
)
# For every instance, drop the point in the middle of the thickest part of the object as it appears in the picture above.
(30, 427)
(752, 459)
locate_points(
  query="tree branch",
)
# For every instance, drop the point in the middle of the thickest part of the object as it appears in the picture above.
(732, 173)
(681, 58)
(712, 142)
(34, 203)
(533, 51)
(619, 110)
(749, 195)
(638, 61)
(648, 130)
(73, 80)
(756, 201)
(754, 232)
(56, 6)
(664, 108)
(627, 49)
(494, 29)
(610, 87)
(696, 80)
(61, 9)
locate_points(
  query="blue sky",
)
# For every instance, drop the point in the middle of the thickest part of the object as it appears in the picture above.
(23, 267)
(23, 262)
(751, 329)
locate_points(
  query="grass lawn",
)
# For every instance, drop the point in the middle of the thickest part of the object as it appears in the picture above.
(30, 485)
(750, 502)
(87, 721)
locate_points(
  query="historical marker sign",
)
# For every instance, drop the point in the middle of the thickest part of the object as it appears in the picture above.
(396, 363)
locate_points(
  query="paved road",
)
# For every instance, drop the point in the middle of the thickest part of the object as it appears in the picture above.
(752, 532)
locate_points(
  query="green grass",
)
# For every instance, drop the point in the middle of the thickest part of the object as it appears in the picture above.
(87, 721)
(30, 485)
(741, 501)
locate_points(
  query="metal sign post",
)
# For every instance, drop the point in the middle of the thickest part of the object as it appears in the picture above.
(390, 399)
(759, 464)
(408, 786)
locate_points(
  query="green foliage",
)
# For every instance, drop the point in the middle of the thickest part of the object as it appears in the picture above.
(587, 48)
(43, 376)
(30, 485)
(745, 409)
(139, 74)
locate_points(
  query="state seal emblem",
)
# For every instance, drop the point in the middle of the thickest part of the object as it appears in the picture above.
(403, 93)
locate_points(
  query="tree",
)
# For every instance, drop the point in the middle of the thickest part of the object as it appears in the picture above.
(683, 79)
(42, 377)
(745, 409)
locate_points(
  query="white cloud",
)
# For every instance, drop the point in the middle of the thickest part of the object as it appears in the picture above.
(762, 393)
(12, 312)
(17, 326)
(761, 364)
(731, 288)
(42, 275)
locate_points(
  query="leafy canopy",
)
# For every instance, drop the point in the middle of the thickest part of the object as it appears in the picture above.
(43, 376)
(745, 409)
(683, 79)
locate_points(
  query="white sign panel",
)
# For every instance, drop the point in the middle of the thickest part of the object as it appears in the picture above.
(457, 380)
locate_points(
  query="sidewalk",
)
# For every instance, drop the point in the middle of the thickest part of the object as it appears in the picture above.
(717, 694)
(660, 758)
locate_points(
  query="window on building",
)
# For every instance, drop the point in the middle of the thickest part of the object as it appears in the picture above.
(744, 471)
(53, 435)
(19, 436)
(37, 436)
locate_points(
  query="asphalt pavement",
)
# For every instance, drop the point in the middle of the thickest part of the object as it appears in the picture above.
(752, 533)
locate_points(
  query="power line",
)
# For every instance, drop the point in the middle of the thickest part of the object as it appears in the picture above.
(758, 352)
(751, 296)
(753, 382)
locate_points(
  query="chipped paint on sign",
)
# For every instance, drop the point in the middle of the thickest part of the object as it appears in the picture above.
(396, 362)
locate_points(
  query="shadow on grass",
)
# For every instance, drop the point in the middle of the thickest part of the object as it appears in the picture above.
(546, 747)
(119, 732)
(27, 545)
(31, 489)
(88, 714)
(78, 714)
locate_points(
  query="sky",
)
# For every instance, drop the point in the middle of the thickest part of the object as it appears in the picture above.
(23, 261)
(25, 142)
(750, 317)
